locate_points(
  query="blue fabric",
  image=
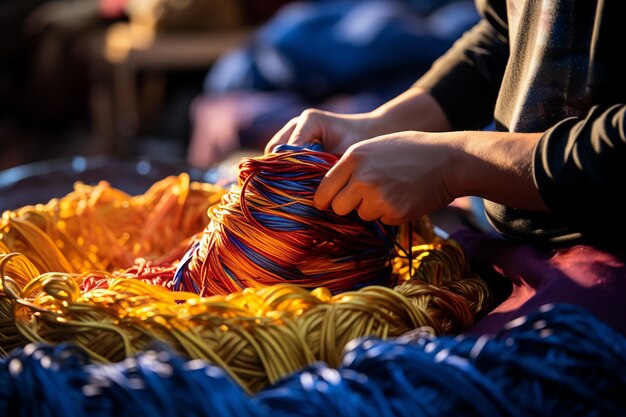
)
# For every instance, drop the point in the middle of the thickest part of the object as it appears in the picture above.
(321, 49)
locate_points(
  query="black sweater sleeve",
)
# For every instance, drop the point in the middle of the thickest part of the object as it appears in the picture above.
(580, 168)
(465, 81)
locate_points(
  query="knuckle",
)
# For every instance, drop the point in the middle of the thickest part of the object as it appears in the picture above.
(309, 113)
(352, 155)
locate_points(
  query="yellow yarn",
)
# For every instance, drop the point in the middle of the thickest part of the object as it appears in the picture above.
(258, 335)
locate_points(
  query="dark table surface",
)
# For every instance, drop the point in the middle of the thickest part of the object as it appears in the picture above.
(39, 182)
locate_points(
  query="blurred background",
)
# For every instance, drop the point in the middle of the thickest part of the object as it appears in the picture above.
(196, 83)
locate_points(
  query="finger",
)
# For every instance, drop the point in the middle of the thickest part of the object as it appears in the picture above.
(282, 136)
(367, 212)
(334, 180)
(346, 201)
(392, 220)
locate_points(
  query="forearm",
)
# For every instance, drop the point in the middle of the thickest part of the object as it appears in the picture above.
(579, 168)
(474, 66)
(466, 80)
(415, 109)
(497, 166)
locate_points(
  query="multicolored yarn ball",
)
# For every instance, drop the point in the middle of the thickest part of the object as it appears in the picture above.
(267, 231)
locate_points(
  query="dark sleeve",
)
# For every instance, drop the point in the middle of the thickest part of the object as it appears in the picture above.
(580, 168)
(465, 81)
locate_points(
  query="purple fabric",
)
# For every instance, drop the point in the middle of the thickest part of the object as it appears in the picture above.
(582, 275)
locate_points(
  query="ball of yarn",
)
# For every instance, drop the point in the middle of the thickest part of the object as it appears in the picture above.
(267, 231)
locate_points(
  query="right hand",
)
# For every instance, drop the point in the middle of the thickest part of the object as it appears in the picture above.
(395, 178)
(336, 132)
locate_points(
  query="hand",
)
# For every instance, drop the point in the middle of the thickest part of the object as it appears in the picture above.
(396, 177)
(215, 133)
(415, 109)
(336, 132)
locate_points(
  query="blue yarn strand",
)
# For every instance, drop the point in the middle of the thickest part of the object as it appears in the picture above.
(557, 361)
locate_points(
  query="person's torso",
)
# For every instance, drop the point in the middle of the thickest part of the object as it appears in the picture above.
(546, 79)
(552, 74)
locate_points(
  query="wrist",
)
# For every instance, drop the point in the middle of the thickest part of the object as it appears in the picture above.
(460, 181)
(497, 166)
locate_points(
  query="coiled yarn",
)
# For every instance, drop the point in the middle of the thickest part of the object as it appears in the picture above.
(559, 360)
(266, 231)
